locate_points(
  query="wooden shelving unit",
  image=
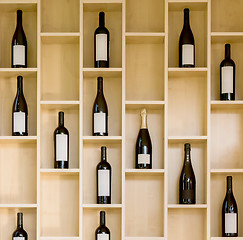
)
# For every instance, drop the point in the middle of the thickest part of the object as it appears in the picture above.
(183, 106)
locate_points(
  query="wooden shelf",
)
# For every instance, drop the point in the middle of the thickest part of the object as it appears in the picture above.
(59, 238)
(144, 171)
(218, 171)
(18, 205)
(185, 206)
(102, 206)
(60, 171)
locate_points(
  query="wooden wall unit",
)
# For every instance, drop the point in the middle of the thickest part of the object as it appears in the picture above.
(183, 106)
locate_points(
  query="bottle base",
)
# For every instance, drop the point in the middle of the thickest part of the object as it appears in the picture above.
(20, 134)
(101, 64)
(104, 200)
(143, 166)
(61, 164)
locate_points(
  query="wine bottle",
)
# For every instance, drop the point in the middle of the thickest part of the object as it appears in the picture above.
(229, 212)
(186, 44)
(20, 233)
(103, 176)
(187, 185)
(20, 111)
(19, 44)
(100, 112)
(102, 232)
(61, 144)
(143, 158)
(101, 44)
(227, 76)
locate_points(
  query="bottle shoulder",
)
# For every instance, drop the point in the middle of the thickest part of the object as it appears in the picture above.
(102, 230)
(20, 232)
(227, 62)
(103, 165)
(186, 36)
(101, 30)
(61, 130)
(143, 137)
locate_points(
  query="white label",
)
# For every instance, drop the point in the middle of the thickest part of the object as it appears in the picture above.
(18, 238)
(227, 79)
(101, 47)
(18, 55)
(103, 183)
(99, 122)
(61, 147)
(19, 121)
(188, 54)
(230, 222)
(103, 236)
(143, 158)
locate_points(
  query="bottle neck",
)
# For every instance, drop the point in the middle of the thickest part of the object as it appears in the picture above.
(101, 19)
(103, 153)
(100, 85)
(227, 51)
(102, 219)
(20, 221)
(186, 18)
(20, 85)
(61, 119)
(19, 18)
(144, 120)
(187, 158)
(229, 185)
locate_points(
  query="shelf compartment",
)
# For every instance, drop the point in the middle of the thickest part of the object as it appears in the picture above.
(8, 83)
(178, 227)
(91, 157)
(113, 22)
(226, 138)
(198, 22)
(144, 172)
(218, 55)
(199, 164)
(113, 96)
(156, 131)
(59, 214)
(218, 192)
(226, 17)
(60, 68)
(187, 106)
(186, 72)
(144, 16)
(8, 14)
(60, 16)
(48, 124)
(19, 184)
(143, 191)
(91, 222)
(145, 68)
(8, 219)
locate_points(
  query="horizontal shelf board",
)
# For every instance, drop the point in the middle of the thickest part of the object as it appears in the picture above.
(60, 34)
(182, 206)
(18, 205)
(144, 171)
(59, 102)
(144, 238)
(175, 139)
(233, 170)
(187, 72)
(60, 171)
(145, 34)
(102, 72)
(102, 206)
(59, 238)
(14, 72)
(101, 139)
(230, 37)
(144, 38)
(60, 38)
(104, 5)
(179, 5)
(224, 238)
(18, 139)
(226, 104)
(13, 5)
(144, 104)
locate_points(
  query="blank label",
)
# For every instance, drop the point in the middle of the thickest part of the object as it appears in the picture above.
(188, 54)
(103, 236)
(19, 122)
(99, 122)
(227, 79)
(230, 222)
(103, 183)
(61, 147)
(19, 55)
(101, 47)
(143, 158)
(19, 238)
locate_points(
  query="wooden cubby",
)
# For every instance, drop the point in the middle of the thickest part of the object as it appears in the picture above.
(182, 104)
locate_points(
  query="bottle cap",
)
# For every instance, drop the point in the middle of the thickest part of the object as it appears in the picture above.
(187, 146)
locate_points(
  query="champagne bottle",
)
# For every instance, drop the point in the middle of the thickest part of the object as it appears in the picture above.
(19, 45)
(61, 144)
(227, 76)
(102, 232)
(186, 44)
(187, 185)
(103, 176)
(20, 111)
(100, 112)
(229, 212)
(101, 44)
(20, 233)
(143, 145)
